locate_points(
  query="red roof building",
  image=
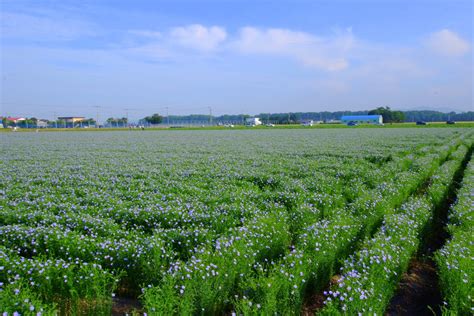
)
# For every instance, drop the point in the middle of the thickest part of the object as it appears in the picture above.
(15, 119)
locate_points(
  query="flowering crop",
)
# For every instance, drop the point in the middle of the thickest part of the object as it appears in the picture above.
(369, 277)
(455, 259)
(210, 222)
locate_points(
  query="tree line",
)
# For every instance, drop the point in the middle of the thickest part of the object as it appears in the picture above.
(389, 116)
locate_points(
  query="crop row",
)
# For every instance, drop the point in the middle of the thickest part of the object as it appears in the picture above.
(455, 259)
(316, 258)
(77, 287)
(278, 283)
(202, 223)
(369, 277)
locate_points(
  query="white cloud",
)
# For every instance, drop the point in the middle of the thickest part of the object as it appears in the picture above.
(447, 43)
(199, 37)
(177, 43)
(336, 53)
(327, 53)
(254, 40)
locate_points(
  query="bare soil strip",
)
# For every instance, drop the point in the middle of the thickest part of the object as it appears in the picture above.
(315, 301)
(418, 292)
(126, 306)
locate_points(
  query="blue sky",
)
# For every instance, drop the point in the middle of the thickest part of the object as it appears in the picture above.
(65, 57)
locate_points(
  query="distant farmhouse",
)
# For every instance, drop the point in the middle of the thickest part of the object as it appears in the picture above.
(10, 121)
(253, 121)
(42, 123)
(15, 120)
(362, 119)
(71, 120)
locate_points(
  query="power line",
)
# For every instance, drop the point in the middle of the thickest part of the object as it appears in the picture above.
(54, 109)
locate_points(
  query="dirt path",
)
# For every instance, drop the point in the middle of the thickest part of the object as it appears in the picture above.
(418, 292)
(125, 306)
(315, 302)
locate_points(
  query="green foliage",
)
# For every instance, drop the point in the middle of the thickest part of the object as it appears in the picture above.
(117, 121)
(18, 299)
(388, 115)
(154, 119)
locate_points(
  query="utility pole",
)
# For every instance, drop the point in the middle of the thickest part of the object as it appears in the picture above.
(210, 116)
(55, 120)
(288, 118)
(167, 117)
(97, 115)
(126, 116)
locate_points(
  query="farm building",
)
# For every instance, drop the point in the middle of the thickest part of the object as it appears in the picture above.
(253, 121)
(15, 120)
(42, 123)
(362, 119)
(71, 119)
(307, 123)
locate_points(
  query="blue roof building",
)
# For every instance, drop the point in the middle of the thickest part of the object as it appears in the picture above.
(362, 119)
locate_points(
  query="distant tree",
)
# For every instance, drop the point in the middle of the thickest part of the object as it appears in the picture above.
(282, 118)
(154, 119)
(295, 117)
(32, 120)
(89, 121)
(398, 116)
(117, 121)
(28, 122)
(432, 116)
(7, 122)
(61, 123)
(384, 111)
(388, 115)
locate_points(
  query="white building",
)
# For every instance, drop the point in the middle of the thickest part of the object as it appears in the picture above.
(253, 121)
(307, 123)
(42, 123)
